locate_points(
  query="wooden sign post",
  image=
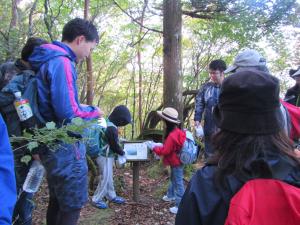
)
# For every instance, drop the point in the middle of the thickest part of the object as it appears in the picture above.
(135, 153)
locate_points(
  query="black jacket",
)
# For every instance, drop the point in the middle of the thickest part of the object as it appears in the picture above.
(292, 95)
(120, 116)
(205, 203)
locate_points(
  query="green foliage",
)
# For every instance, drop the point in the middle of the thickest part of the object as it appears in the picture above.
(189, 171)
(155, 170)
(224, 28)
(26, 159)
(51, 135)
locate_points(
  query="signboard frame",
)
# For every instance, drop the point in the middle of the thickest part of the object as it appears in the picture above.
(136, 151)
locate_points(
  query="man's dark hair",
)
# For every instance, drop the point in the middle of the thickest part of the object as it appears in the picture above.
(29, 47)
(217, 65)
(77, 27)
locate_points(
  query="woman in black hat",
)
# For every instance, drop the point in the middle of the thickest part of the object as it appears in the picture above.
(250, 144)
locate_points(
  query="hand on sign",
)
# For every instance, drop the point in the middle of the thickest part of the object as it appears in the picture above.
(150, 144)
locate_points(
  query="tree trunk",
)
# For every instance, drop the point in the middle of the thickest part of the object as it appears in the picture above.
(172, 23)
(89, 64)
(139, 61)
(14, 13)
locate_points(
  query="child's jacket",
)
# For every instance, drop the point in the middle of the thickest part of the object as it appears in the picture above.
(119, 117)
(171, 147)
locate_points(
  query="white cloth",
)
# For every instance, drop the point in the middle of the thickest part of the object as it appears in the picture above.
(152, 144)
(105, 186)
(199, 131)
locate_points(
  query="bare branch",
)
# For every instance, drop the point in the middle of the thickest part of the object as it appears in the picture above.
(194, 14)
(30, 18)
(135, 20)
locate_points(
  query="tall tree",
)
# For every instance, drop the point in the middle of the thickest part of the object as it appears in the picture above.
(89, 64)
(139, 59)
(172, 23)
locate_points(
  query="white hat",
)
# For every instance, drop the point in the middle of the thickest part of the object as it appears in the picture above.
(169, 114)
(246, 58)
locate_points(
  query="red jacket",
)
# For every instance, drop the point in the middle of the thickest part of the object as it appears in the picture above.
(265, 202)
(172, 145)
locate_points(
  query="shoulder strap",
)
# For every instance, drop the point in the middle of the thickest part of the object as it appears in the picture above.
(110, 124)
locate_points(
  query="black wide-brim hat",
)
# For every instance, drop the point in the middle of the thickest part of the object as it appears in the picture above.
(249, 104)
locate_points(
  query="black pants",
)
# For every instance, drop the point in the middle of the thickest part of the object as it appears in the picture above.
(55, 216)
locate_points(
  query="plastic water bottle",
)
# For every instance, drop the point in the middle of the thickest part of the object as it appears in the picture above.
(34, 177)
(24, 111)
(23, 107)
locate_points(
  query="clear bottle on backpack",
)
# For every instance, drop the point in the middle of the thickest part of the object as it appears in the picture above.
(34, 177)
(22, 107)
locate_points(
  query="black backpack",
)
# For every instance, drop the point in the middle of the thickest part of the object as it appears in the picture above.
(26, 83)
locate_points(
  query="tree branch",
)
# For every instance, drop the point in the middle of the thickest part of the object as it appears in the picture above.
(135, 20)
(194, 14)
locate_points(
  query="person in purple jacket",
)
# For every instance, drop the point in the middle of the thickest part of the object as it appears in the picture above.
(58, 101)
(8, 191)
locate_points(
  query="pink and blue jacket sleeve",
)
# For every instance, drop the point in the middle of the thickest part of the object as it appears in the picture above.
(8, 193)
(64, 95)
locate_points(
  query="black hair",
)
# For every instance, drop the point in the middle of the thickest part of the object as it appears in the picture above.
(169, 127)
(77, 27)
(235, 152)
(28, 48)
(218, 64)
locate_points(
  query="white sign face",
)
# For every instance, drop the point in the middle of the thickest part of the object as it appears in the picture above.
(136, 151)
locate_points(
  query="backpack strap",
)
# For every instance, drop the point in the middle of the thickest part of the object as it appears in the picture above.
(109, 124)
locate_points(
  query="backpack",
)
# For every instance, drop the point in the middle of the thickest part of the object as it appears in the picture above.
(265, 201)
(294, 116)
(26, 83)
(189, 151)
(95, 139)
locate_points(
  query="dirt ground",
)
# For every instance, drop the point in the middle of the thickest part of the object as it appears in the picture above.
(150, 210)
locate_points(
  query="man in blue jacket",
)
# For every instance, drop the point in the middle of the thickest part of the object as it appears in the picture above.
(206, 99)
(58, 101)
(8, 192)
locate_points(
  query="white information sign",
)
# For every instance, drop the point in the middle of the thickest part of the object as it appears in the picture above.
(136, 151)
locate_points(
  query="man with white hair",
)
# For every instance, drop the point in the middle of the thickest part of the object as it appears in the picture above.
(251, 59)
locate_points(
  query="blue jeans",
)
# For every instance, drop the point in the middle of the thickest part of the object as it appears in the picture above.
(176, 186)
(23, 209)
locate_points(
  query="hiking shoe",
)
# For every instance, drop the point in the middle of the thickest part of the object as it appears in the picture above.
(167, 199)
(174, 209)
(118, 200)
(100, 204)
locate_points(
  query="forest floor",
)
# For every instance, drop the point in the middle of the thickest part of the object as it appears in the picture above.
(150, 210)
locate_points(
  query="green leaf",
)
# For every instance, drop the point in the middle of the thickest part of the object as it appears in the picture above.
(27, 135)
(50, 125)
(77, 121)
(31, 145)
(26, 159)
